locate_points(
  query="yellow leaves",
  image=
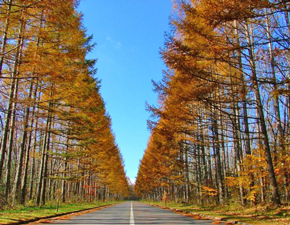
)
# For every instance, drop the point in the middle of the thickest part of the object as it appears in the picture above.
(208, 191)
(252, 194)
(232, 182)
(253, 173)
(282, 167)
(163, 184)
(255, 165)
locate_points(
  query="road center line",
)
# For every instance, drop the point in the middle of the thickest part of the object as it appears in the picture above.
(132, 222)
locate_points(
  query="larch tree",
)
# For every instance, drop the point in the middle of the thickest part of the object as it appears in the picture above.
(224, 100)
(56, 137)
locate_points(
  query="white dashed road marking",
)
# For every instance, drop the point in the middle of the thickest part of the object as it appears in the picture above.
(132, 222)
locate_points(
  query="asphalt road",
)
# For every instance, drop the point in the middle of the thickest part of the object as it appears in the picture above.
(133, 213)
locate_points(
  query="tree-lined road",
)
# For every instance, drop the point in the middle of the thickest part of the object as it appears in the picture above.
(133, 213)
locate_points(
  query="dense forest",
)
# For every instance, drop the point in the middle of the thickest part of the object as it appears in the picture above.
(56, 138)
(220, 133)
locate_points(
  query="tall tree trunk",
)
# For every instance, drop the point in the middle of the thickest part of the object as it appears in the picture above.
(10, 147)
(45, 166)
(275, 87)
(63, 183)
(32, 96)
(243, 91)
(27, 156)
(5, 35)
(12, 96)
(42, 163)
(259, 105)
(10, 119)
(32, 169)
(216, 147)
(25, 147)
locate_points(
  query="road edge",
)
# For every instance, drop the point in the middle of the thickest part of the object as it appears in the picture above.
(36, 219)
(200, 216)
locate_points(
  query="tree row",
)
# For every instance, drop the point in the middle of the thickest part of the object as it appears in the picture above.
(221, 130)
(56, 137)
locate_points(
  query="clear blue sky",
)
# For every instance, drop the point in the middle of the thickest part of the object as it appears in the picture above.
(129, 34)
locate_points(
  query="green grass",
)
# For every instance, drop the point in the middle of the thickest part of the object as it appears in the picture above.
(258, 215)
(21, 213)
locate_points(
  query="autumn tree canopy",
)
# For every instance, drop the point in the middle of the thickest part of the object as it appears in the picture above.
(56, 137)
(221, 130)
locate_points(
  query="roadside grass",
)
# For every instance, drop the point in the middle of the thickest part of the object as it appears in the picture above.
(25, 213)
(257, 215)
